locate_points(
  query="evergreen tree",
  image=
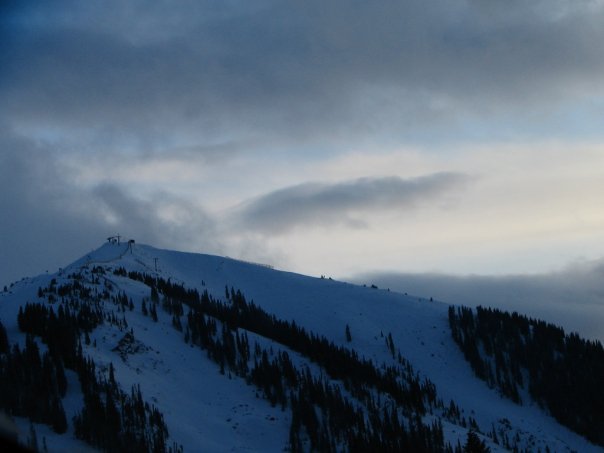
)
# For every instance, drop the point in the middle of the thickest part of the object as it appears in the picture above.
(4, 344)
(153, 312)
(154, 295)
(59, 420)
(474, 444)
(32, 442)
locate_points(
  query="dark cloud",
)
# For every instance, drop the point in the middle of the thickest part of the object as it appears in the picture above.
(572, 298)
(38, 230)
(47, 221)
(166, 220)
(219, 78)
(291, 71)
(347, 203)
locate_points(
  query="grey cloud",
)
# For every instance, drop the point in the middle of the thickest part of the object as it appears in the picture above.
(165, 220)
(297, 71)
(38, 230)
(345, 203)
(572, 298)
(47, 221)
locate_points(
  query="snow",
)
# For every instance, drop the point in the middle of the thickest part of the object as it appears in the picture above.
(207, 411)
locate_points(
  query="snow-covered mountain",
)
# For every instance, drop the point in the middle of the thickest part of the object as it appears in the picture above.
(388, 358)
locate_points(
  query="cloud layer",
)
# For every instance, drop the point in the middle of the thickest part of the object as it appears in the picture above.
(133, 74)
(349, 203)
(572, 297)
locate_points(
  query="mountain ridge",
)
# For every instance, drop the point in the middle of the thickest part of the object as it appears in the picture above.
(379, 322)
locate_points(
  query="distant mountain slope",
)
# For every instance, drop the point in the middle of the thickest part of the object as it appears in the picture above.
(236, 356)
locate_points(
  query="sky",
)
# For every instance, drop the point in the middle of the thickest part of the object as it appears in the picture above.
(336, 138)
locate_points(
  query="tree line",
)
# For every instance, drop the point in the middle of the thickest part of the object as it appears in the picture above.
(350, 416)
(562, 372)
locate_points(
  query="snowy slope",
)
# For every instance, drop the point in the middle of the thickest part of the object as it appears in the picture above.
(208, 411)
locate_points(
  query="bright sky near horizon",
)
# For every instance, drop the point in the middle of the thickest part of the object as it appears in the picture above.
(337, 138)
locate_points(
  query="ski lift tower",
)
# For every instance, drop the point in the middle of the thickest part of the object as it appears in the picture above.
(114, 239)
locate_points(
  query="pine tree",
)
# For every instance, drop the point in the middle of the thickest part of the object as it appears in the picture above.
(154, 295)
(474, 444)
(59, 420)
(33, 438)
(4, 345)
(61, 378)
(390, 343)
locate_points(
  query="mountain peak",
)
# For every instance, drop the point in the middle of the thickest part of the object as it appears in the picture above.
(226, 354)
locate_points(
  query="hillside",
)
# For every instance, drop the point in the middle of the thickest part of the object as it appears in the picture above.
(225, 355)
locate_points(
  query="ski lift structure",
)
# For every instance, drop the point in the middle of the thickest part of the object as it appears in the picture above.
(116, 240)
